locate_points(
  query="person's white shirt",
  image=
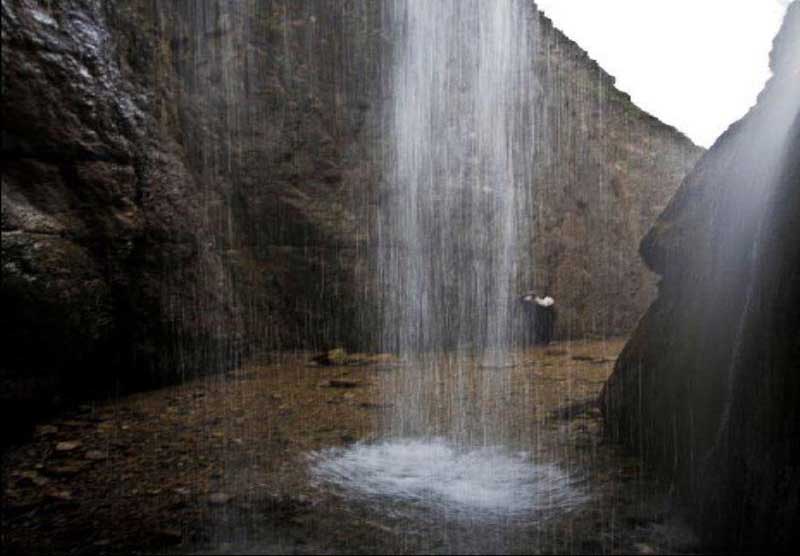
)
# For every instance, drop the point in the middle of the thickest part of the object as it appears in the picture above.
(546, 301)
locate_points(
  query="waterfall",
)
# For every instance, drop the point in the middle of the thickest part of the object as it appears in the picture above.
(459, 169)
(454, 241)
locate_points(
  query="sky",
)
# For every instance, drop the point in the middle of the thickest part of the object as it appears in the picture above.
(697, 65)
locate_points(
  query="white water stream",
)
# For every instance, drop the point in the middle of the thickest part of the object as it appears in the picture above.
(407, 476)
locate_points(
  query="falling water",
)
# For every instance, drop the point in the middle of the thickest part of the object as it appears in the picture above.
(485, 483)
(459, 168)
(455, 223)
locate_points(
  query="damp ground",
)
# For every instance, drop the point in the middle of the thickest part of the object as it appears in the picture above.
(285, 456)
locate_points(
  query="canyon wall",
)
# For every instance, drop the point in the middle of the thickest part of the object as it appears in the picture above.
(603, 172)
(172, 187)
(107, 253)
(707, 389)
(189, 183)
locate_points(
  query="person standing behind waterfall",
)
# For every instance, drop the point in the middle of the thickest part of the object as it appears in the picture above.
(542, 313)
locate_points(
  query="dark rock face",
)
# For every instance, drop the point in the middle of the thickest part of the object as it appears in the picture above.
(707, 389)
(106, 254)
(185, 183)
(275, 107)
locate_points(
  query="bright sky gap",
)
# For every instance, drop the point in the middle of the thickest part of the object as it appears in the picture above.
(697, 65)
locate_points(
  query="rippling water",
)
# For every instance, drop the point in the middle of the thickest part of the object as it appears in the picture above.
(407, 475)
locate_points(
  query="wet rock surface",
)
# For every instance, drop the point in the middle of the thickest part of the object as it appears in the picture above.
(221, 465)
(707, 388)
(100, 221)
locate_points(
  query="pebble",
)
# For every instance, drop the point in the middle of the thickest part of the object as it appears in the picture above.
(32, 477)
(343, 383)
(69, 469)
(95, 455)
(67, 446)
(169, 536)
(74, 423)
(373, 405)
(219, 499)
(62, 495)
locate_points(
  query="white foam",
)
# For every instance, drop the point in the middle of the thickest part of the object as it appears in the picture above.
(434, 474)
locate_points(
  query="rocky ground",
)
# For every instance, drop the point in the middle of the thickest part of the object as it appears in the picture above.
(220, 464)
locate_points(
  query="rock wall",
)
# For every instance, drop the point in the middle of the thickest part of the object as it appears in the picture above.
(707, 388)
(106, 253)
(173, 182)
(273, 104)
(186, 183)
(604, 171)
